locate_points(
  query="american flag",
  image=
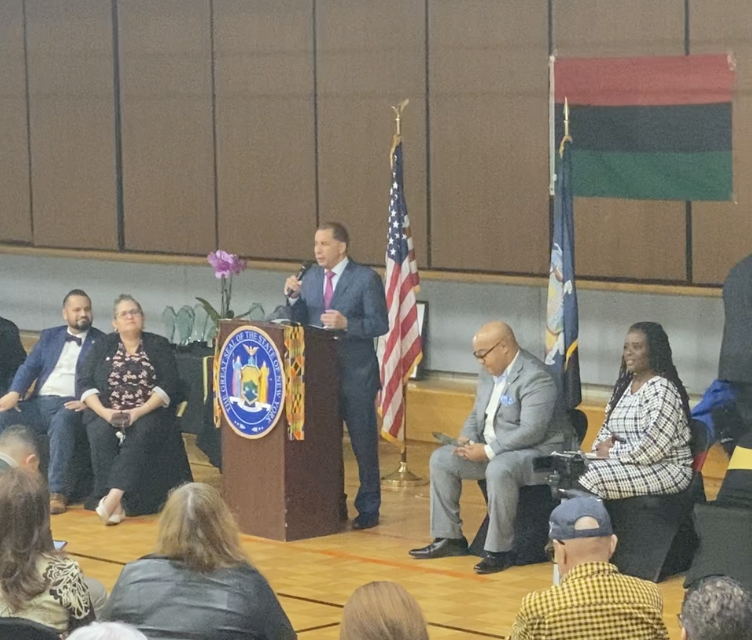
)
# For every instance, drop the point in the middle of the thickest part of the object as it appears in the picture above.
(400, 349)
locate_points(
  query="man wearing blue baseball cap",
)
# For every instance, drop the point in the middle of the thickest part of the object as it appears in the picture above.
(594, 601)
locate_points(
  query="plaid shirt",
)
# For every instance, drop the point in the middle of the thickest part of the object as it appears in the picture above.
(655, 459)
(593, 602)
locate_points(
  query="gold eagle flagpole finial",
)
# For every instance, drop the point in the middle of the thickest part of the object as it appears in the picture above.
(398, 114)
(567, 137)
(398, 118)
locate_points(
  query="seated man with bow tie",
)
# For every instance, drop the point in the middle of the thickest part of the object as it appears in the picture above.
(517, 417)
(53, 408)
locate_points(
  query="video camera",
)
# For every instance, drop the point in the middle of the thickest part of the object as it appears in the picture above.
(566, 467)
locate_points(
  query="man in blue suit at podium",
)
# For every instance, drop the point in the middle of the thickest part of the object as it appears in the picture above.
(348, 298)
(53, 408)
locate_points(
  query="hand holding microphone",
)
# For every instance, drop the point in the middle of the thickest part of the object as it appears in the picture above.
(292, 284)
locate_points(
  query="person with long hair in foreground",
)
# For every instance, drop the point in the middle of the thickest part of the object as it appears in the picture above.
(36, 582)
(198, 583)
(382, 611)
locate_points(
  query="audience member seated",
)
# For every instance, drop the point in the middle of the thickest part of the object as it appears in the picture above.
(107, 631)
(644, 441)
(382, 611)
(518, 416)
(127, 382)
(12, 353)
(199, 582)
(593, 601)
(18, 448)
(718, 609)
(53, 408)
(36, 582)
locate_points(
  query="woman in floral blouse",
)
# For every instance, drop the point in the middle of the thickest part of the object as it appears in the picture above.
(36, 582)
(127, 382)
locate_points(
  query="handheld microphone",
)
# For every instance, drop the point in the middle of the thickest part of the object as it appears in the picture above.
(303, 268)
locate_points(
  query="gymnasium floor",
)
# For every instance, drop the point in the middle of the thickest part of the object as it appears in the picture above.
(314, 578)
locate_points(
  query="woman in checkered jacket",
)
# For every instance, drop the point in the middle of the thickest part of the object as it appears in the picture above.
(643, 445)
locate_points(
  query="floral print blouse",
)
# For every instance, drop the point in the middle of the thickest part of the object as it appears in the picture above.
(131, 380)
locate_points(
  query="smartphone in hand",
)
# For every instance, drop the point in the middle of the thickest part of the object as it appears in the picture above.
(120, 420)
(443, 438)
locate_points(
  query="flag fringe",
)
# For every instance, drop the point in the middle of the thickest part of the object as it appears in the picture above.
(395, 441)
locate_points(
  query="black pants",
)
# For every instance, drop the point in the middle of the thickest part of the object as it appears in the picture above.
(121, 466)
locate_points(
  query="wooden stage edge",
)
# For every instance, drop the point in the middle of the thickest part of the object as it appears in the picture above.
(711, 291)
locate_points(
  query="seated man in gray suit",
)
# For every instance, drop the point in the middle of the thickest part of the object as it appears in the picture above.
(517, 417)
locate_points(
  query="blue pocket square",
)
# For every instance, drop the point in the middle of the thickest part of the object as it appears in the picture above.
(507, 400)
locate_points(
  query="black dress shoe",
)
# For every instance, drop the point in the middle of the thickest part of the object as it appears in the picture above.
(441, 548)
(364, 521)
(495, 562)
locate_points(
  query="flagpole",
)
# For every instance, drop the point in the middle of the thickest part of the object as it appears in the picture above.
(402, 478)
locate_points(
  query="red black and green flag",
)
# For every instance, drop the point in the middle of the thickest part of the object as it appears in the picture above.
(653, 128)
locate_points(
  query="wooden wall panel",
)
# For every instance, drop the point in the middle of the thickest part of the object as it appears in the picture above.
(266, 176)
(71, 102)
(168, 149)
(488, 84)
(15, 205)
(370, 56)
(625, 238)
(722, 231)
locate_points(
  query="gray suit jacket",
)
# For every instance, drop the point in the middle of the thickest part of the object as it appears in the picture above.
(736, 349)
(530, 415)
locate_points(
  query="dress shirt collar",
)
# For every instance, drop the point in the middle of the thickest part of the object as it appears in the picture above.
(340, 267)
(505, 375)
(589, 569)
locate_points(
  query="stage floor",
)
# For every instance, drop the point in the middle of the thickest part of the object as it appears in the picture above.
(314, 578)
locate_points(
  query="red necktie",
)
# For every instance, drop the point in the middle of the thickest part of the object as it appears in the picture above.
(328, 290)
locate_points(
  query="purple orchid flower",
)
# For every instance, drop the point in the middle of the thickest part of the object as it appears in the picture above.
(225, 264)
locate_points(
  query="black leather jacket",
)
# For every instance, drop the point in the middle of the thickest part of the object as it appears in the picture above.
(164, 599)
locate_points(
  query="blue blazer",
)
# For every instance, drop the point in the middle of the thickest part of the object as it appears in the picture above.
(359, 296)
(44, 356)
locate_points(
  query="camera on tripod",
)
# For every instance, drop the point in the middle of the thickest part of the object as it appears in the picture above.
(566, 467)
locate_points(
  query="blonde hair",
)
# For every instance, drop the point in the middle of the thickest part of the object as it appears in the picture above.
(197, 528)
(382, 611)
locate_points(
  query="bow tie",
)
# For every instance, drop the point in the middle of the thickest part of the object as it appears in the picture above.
(72, 338)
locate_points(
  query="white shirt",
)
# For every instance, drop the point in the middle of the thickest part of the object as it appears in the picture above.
(500, 385)
(62, 380)
(338, 269)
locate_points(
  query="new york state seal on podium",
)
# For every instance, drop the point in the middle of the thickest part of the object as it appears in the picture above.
(251, 382)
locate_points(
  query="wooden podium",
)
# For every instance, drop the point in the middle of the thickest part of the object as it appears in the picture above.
(286, 489)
